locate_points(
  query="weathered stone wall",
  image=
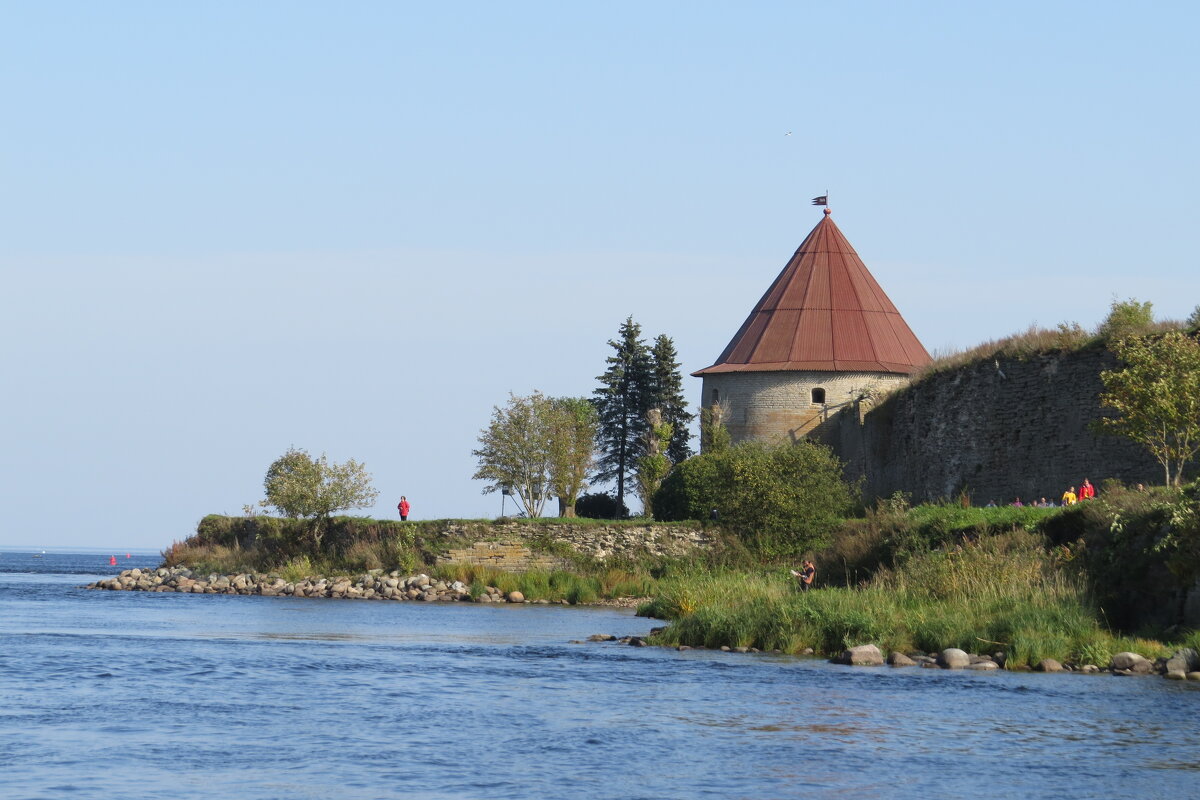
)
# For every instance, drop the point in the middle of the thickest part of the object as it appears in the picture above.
(507, 556)
(515, 546)
(997, 430)
(772, 405)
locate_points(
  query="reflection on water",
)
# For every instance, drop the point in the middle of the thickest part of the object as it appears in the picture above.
(219, 696)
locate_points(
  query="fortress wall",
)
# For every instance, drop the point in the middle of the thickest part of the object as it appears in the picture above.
(996, 429)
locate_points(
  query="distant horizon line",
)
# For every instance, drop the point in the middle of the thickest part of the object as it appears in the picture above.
(108, 551)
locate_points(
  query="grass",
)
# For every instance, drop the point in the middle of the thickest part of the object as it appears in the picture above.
(1033, 341)
(1005, 593)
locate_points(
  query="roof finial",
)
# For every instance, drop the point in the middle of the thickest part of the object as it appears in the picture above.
(827, 212)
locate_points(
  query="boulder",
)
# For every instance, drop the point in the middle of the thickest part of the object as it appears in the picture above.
(516, 597)
(864, 655)
(953, 658)
(1184, 661)
(897, 659)
(1048, 665)
(986, 665)
(1143, 667)
(1126, 660)
(1194, 676)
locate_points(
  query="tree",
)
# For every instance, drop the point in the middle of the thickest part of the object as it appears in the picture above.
(654, 464)
(714, 435)
(1193, 321)
(1156, 397)
(573, 428)
(300, 486)
(515, 451)
(666, 394)
(784, 497)
(622, 401)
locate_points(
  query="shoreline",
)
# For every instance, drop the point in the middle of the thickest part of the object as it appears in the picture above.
(372, 585)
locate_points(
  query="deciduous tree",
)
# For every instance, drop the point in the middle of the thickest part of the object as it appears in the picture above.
(654, 463)
(573, 424)
(299, 485)
(1156, 398)
(515, 451)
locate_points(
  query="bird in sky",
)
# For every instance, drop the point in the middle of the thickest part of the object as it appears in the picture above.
(789, 133)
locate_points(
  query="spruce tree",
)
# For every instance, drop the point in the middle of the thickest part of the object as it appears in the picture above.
(622, 401)
(667, 396)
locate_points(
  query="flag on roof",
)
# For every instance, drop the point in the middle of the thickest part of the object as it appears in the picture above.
(823, 200)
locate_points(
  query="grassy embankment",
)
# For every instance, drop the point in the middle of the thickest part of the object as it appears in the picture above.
(1071, 584)
(354, 545)
(1034, 583)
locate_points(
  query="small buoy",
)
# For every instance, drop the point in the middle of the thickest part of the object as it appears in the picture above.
(112, 561)
(128, 556)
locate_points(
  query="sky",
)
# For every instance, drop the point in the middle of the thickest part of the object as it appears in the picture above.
(230, 228)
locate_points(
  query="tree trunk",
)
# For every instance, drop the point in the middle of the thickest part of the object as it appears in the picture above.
(565, 510)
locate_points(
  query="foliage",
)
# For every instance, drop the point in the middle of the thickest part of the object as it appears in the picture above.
(1193, 321)
(714, 434)
(999, 594)
(573, 426)
(654, 464)
(298, 485)
(1156, 398)
(891, 534)
(667, 396)
(515, 451)
(622, 400)
(600, 505)
(1140, 551)
(1127, 318)
(787, 497)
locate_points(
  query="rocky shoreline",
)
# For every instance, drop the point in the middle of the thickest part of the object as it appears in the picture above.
(1183, 665)
(372, 585)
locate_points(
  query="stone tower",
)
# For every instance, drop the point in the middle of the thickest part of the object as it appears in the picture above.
(823, 337)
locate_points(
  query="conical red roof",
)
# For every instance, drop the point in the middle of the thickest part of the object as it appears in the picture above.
(823, 312)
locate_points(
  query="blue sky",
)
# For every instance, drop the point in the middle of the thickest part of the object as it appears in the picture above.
(229, 228)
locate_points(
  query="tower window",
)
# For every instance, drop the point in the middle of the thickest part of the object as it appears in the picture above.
(716, 397)
(818, 396)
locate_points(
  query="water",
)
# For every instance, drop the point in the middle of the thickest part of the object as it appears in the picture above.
(202, 696)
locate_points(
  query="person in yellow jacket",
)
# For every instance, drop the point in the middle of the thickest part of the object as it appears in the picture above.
(1069, 498)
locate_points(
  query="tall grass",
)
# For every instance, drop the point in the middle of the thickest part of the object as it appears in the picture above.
(1004, 593)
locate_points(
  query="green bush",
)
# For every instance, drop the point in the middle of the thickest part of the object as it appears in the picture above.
(784, 499)
(1127, 318)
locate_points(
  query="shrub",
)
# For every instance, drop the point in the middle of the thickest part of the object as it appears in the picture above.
(599, 505)
(781, 498)
(1127, 318)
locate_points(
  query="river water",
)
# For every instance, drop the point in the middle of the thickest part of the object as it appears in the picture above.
(213, 696)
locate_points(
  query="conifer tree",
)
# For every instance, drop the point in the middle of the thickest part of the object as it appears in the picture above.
(622, 401)
(667, 396)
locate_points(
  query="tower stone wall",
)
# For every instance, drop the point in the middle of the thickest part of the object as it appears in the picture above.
(769, 406)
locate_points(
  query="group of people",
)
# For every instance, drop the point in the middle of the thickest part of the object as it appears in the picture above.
(1069, 498)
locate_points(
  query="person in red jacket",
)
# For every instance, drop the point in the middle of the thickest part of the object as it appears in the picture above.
(1087, 491)
(403, 507)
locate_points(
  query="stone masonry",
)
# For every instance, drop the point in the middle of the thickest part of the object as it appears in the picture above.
(998, 429)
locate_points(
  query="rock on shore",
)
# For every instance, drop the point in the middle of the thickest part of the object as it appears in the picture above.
(373, 585)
